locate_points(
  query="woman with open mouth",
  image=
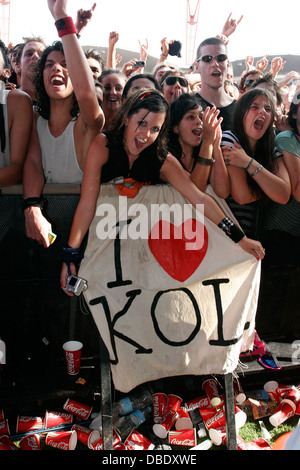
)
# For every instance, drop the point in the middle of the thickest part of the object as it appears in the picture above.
(135, 150)
(256, 168)
(194, 139)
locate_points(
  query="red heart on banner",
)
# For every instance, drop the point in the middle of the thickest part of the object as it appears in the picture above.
(171, 247)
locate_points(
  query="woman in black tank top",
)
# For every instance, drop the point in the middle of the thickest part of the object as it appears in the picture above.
(136, 149)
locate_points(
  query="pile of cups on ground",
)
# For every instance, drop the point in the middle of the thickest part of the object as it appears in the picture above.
(175, 422)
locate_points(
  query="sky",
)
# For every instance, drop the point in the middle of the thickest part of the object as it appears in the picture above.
(267, 27)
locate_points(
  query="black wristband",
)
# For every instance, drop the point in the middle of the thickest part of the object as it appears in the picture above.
(231, 230)
(71, 255)
(204, 161)
(33, 201)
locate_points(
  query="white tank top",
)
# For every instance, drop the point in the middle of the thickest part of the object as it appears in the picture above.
(4, 135)
(59, 157)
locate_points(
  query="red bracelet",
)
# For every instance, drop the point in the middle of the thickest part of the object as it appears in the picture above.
(65, 26)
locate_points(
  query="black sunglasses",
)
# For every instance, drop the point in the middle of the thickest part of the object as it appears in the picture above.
(209, 58)
(172, 80)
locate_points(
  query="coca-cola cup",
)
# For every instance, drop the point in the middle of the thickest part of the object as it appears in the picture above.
(173, 402)
(284, 412)
(137, 441)
(159, 403)
(85, 435)
(98, 445)
(183, 420)
(81, 410)
(271, 389)
(218, 435)
(29, 423)
(64, 440)
(31, 442)
(57, 418)
(161, 429)
(186, 437)
(4, 428)
(7, 444)
(72, 350)
(210, 387)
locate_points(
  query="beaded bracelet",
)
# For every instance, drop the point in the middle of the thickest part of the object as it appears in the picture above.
(231, 230)
(65, 26)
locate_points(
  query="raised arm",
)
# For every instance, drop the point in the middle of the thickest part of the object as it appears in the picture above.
(78, 68)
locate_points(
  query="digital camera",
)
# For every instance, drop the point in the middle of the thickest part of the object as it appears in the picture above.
(75, 285)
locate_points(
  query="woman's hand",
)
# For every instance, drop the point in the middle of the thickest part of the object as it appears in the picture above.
(235, 156)
(64, 274)
(210, 124)
(253, 247)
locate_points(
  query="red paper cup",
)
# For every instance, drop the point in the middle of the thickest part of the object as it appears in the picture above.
(7, 444)
(185, 437)
(159, 403)
(57, 418)
(200, 402)
(4, 428)
(65, 440)
(210, 387)
(161, 429)
(29, 423)
(218, 435)
(173, 403)
(78, 409)
(271, 389)
(137, 441)
(285, 411)
(31, 442)
(98, 445)
(85, 435)
(72, 351)
(184, 420)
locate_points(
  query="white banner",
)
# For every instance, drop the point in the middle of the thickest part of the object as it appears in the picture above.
(163, 305)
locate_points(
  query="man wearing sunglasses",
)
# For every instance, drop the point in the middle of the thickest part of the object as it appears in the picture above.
(212, 65)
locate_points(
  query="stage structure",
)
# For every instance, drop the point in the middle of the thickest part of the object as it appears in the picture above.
(192, 15)
(5, 21)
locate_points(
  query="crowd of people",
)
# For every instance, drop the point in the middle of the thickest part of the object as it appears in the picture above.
(68, 116)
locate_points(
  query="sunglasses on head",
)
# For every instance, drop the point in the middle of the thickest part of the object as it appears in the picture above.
(209, 58)
(249, 82)
(172, 80)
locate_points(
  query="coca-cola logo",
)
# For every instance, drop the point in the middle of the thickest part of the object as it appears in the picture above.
(71, 361)
(58, 445)
(78, 411)
(184, 442)
(32, 443)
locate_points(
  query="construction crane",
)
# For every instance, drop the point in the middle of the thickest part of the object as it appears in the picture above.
(5, 21)
(192, 16)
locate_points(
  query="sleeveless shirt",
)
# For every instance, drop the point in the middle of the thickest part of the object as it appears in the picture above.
(59, 157)
(4, 133)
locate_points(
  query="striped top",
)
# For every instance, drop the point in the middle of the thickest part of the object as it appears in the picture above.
(249, 215)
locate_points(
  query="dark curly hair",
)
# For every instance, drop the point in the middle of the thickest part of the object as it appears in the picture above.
(42, 98)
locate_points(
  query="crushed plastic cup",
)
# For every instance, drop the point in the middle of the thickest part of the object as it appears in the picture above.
(72, 350)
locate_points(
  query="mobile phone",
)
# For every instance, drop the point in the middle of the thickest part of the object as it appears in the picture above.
(139, 63)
